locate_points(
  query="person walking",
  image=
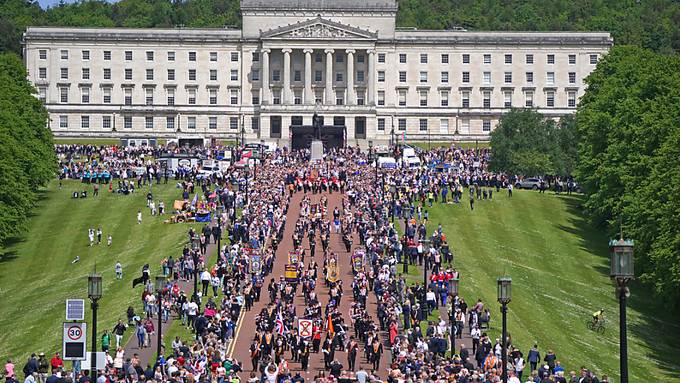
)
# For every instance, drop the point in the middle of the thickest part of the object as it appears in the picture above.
(139, 217)
(118, 331)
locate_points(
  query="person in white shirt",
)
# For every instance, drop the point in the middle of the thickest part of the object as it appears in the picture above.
(192, 310)
(205, 281)
(139, 217)
(519, 366)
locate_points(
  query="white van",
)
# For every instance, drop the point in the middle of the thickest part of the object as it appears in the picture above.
(409, 158)
(387, 162)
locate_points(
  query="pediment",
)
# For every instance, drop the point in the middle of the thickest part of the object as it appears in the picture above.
(319, 29)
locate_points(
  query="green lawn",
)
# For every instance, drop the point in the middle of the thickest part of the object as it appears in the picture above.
(37, 275)
(559, 267)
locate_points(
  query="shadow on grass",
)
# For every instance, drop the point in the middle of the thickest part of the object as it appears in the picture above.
(8, 250)
(655, 328)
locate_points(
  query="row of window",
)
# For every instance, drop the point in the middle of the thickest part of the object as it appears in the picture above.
(150, 55)
(318, 76)
(149, 96)
(486, 58)
(234, 57)
(150, 74)
(486, 77)
(486, 98)
(170, 123)
(443, 125)
(150, 121)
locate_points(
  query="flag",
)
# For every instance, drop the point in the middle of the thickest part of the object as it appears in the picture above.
(195, 200)
(280, 327)
(331, 329)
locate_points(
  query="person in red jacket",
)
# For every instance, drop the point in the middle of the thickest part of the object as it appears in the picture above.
(56, 362)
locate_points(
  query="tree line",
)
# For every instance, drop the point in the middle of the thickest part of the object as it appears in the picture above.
(27, 159)
(653, 24)
(623, 147)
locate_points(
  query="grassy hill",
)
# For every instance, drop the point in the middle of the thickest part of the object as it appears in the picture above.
(559, 265)
(560, 270)
(36, 273)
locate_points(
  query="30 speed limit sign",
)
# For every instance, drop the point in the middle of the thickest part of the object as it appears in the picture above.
(74, 340)
(74, 332)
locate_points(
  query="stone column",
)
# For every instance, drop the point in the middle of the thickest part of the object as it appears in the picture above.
(266, 93)
(351, 95)
(371, 78)
(286, 76)
(329, 77)
(309, 96)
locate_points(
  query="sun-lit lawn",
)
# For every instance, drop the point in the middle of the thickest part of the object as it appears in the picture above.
(559, 267)
(36, 273)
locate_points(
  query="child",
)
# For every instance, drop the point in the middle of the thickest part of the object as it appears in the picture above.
(139, 217)
(99, 235)
(90, 236)
(109, 240)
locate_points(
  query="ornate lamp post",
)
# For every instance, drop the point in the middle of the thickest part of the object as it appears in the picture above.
(426, 253)
(504, 297)
(159, 285)
(622, 272)
(247, 174)
(453, 289)
(94, 292)
(406, 210)
(195, 245)
(243, 132)
(393, 190)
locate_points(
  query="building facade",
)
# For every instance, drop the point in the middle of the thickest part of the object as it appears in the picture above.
(343, 59)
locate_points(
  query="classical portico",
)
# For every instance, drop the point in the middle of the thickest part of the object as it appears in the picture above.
(318, 61)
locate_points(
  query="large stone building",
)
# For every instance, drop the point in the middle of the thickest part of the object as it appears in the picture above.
(343, 59)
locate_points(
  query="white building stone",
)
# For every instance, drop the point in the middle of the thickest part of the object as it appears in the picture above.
(344, 59)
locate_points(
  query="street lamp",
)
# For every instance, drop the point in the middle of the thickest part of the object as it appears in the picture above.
(195, 246)
(453, 289)
(621, 272)
(246, 175)
(94, 292)
(393, 190)
(406, 210)
(426, 253)
(504, 297)
(159, 285)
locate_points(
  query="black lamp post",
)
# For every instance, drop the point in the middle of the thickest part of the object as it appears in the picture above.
(392, 135)
(406, 210)
(504, 297)
(94, 292)
(453, 288)
(247, 175)
(426, 253)
(195, 245)
(243, 133)
(159, 285)
(622, 272)
(393, 190)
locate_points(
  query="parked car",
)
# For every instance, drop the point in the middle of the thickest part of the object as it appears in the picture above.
(528, 183)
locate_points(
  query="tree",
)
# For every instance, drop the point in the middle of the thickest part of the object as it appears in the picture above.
(27, 159)
(527, 143)
(629, 158)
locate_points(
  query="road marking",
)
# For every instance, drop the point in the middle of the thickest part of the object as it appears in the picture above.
(239, 323)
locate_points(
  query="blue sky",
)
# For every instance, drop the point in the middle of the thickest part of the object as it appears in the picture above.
(49, 3)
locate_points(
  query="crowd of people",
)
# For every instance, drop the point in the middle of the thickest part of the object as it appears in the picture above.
(386, 320)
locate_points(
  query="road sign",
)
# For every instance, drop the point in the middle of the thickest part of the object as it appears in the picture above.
(74, 340)
(75, 309)
(305, 328)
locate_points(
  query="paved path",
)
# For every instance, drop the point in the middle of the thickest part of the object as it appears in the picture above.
(246, 328)
(147, 355)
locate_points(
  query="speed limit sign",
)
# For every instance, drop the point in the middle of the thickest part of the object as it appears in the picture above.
(73, 345)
